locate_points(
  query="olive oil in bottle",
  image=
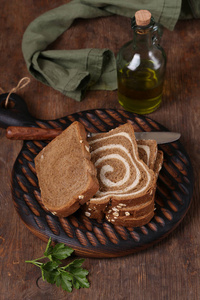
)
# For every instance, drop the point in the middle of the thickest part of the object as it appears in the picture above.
(141, 67)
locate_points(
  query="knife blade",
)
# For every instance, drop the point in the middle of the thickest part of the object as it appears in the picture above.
(161, 137)
(34, 133)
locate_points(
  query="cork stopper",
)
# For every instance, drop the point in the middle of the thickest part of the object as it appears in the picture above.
(142, 17)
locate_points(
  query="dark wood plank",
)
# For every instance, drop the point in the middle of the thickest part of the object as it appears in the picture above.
(169, 270)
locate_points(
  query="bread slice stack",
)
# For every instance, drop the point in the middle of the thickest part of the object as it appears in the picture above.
(110, 175)
(66, 175)
(127, 172)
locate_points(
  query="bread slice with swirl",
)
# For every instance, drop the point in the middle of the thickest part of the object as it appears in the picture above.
(125, 180)
(139, 213)
(66, 175)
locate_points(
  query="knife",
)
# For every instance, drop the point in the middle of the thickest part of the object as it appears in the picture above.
(34, 133)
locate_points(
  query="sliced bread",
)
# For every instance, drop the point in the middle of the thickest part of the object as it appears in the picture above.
(148, 152)
(123, 177)
(136, 214)
(158, 163)
(66, 175)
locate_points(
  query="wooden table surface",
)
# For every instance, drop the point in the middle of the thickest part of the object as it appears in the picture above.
(171, 268)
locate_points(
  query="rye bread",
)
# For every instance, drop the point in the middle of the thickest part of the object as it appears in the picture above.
(66, 175)
(130, 221)
(138, 213)
(148, 150)
(158, 163)
(114, 153)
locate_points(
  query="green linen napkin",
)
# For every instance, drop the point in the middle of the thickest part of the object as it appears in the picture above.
(72, 72)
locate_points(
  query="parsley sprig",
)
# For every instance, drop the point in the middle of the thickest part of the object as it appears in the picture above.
(69, 276)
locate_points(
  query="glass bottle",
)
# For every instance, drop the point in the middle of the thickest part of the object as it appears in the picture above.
(141, 67)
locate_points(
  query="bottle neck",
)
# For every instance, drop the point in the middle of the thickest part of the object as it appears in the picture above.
(142, 39)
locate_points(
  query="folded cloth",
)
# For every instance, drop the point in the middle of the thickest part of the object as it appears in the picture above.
(72, 72)
(190, 9)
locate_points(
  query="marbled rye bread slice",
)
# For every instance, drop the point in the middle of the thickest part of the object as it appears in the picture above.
(118, 213)
(123, 177)
(67, 177)
(148, 153)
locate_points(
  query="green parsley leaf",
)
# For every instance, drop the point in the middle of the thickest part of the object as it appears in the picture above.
(58, 280)
(66, 282)
(67, 277)
(50, 266)
(61, 251)
(79, 274)
(77, 263)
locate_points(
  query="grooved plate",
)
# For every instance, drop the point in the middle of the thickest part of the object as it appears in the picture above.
(86, 236)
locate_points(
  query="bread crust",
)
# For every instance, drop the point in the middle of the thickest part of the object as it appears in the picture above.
(132, 222)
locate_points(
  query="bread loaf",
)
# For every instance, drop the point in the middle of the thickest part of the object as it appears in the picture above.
(127, 184)
(66, 175)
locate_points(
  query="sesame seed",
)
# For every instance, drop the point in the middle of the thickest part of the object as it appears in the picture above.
(127, 213)
(80, 197)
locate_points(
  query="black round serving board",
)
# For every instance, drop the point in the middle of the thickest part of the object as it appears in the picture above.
(86, 236)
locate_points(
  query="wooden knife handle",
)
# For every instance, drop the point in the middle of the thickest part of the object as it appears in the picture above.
(31, 133)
